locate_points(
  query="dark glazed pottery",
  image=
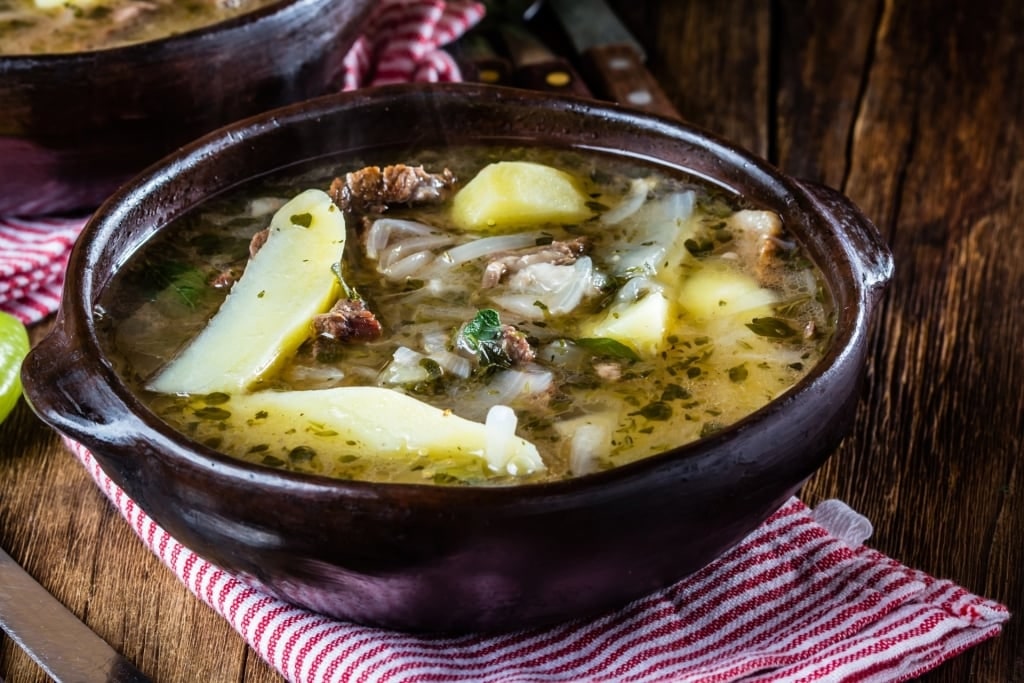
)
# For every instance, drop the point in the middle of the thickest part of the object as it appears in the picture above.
(74, 126)
(445, 558)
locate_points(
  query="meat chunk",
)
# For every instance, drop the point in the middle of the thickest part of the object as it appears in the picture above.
(348, 321)
(516, 346)
(257, 241)
(763, 239)
(373, 189)
(558, 253)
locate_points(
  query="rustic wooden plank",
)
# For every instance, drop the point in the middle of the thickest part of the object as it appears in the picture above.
(935, 159)
(713, 60)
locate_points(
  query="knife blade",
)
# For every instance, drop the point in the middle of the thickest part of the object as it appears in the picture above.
(612, 58)
(66, 649)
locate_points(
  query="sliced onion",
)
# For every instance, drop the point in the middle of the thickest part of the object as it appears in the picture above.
(404, 248)
(404, 368)
(499, 433)
(569, 297)
(589, 443)
(631, 203)
(523, 305)
(409, 266)
(380, 233)
(487, 246)
(508, 385)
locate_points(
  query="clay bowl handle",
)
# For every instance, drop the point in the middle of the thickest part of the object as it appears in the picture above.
(866, 249)
(70, 392)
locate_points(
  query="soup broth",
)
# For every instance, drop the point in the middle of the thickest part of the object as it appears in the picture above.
(48, 27)
(611, 312)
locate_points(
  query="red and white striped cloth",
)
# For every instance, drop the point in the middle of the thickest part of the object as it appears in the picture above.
(800, 599)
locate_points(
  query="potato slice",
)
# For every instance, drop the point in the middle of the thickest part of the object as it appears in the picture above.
(641, 325)
(719, 292)
(268, 312)
(508, 195)
(369, 422)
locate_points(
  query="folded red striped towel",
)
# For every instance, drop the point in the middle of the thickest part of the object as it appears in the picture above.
(800, 599)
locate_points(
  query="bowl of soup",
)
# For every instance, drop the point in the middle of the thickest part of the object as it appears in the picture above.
(454, 358)
(95, 90)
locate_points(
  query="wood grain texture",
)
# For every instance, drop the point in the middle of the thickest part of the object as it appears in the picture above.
(915, 111)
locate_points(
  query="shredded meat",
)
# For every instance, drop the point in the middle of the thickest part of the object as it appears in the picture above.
(348, 321)
(516, 346)
(373, 189)
(608, 371)
(257, 241)
(558, 253)
(765, 227)
(226, 279)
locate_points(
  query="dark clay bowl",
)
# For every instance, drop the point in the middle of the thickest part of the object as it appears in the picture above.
(434, 558)
(74, 126)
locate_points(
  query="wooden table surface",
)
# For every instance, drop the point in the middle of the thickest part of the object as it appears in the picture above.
(915, 110)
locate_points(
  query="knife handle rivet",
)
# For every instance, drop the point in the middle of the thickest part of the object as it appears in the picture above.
(620, 63)
(489, 76)
(557, 79)
(639, 97)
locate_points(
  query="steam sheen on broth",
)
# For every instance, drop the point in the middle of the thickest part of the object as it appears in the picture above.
(63, 26)
(535, 315)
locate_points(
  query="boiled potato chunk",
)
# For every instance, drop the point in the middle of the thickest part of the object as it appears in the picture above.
(268, 312)
(375, 422)
(508, 195)
(718, 292)
(641, 325)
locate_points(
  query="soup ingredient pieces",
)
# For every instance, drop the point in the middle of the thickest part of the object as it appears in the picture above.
(640, 318)
(13, 348)
(267, 314)
(373, 189)
(492, 343)
(373, 422)
(508, 195)
(348, 321)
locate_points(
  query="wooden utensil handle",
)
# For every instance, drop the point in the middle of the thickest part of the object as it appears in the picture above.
(617, 73)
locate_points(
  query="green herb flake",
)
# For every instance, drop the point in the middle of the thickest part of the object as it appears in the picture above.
(655, 411)
(606, 346)
(673, 392)
(301, 454)
(482, 337)
(699, 247)
(216, 398)
(303, 220)
(710, 428)
(272, 461)
(212, 413)
(774, 328)
(738, 374)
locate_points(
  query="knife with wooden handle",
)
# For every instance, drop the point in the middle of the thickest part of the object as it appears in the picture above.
(66, 649)
(536, 67)
(613, 60)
